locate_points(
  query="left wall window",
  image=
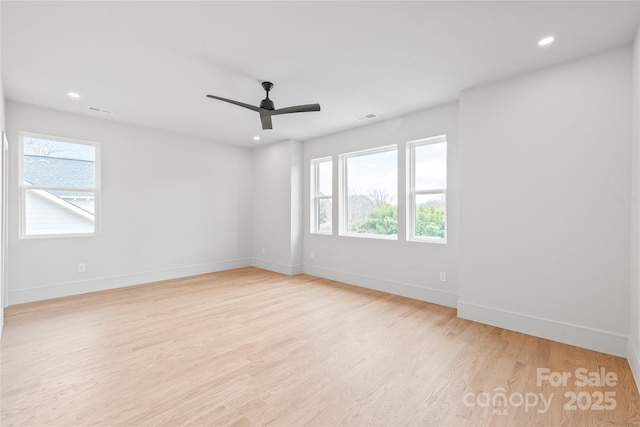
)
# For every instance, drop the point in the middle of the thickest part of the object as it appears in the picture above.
(60, 186)
(321, 200)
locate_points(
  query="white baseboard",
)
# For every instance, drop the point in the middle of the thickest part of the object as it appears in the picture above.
(408, 290)
(278, 267)
(590, 338)
(581, 336)
(19, 296)
(633, 357)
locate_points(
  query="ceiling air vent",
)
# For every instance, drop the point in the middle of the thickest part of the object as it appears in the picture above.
(100, 110)
(365, 117)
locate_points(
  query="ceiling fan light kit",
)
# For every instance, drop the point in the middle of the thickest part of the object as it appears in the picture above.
(267, 108)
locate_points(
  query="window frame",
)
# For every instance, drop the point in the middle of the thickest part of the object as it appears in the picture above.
(343, 200)
(413, 193)
(23, 189)
(316, 198)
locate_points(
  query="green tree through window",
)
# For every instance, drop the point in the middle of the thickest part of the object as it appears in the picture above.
(430, 221)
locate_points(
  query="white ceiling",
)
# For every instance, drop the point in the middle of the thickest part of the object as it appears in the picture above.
(152, 62)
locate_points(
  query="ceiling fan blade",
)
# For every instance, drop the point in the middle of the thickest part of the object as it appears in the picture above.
(231, 101)
(265, 118)
(296, 109)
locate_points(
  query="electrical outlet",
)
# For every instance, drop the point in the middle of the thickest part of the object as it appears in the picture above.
(82, 267)
(263, 251)
(443, 276)
(312, 255)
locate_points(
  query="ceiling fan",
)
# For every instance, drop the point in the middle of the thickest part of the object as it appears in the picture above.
(267, 109)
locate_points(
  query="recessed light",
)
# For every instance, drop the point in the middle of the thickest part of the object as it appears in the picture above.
(74, 95)
(546, 41)
(256, 138)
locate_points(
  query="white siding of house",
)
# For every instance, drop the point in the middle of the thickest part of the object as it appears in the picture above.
(46, 215)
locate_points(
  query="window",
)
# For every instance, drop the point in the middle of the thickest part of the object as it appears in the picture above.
(60, 186)
(428, 189)
(369, 193)
(322, 199)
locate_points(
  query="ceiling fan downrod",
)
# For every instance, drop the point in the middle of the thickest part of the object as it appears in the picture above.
(266, 103)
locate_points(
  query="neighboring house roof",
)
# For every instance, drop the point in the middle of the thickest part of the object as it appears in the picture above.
(57, 172)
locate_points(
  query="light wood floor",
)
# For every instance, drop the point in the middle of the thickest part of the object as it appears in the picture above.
(250, 347)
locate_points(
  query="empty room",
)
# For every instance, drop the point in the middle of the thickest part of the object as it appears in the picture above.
(287, 213)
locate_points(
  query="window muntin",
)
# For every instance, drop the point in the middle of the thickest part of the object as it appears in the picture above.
(322, 198)
(428, 190)
(59, 186)
(369, 193)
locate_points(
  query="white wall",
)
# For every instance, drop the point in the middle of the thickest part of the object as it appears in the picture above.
(405, 268)
(545, 202)
(171, 206)
(277, 208)
(634, 290)
(3, 237)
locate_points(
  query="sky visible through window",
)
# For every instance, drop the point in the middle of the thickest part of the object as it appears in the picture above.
(324, 175)
(59, 149)
(374, 172)
(431, 166)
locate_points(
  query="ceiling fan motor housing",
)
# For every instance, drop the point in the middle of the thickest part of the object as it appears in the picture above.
(267, 104)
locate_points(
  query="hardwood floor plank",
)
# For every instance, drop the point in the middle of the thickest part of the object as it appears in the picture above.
(251, 347)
